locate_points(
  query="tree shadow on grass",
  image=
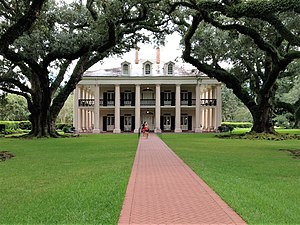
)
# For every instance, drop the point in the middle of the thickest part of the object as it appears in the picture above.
(295, 153)
(5, 155)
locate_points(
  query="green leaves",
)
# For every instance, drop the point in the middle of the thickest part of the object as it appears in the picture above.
(245, 44)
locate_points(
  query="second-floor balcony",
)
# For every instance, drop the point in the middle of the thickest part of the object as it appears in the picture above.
(86, 102)
(188, 102)
(106, 102)
(209, 102)
(145, 102)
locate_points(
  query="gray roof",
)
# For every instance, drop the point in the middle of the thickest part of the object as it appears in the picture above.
(113, 66)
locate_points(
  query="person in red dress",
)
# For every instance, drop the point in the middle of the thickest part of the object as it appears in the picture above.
(145, 129)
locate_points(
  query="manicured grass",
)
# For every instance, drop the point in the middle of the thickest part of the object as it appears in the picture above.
(65, 181)
(279, 130)
(288, 131)
(260, 182)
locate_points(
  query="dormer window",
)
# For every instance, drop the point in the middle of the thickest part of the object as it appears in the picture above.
(126, 68)
(169, 68)
(147, 68)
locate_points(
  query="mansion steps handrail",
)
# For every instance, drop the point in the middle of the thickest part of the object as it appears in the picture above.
(145, 102)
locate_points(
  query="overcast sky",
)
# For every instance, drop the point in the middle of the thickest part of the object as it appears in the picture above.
(169, 52)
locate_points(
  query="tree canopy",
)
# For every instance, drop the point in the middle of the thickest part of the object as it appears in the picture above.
(13, 107)
(46, 46)
(40, 40)
(247, 45)
(287, 98)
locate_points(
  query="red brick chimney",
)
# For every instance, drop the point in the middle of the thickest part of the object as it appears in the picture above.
(136, 56)
(157, 55)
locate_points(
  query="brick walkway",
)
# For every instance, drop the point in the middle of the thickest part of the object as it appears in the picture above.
(163, 190)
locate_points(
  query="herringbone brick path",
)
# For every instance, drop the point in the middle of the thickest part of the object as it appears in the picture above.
(163, 190)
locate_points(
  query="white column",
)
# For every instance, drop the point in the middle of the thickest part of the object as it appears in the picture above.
(117, 129)
(80, 125)
(208, 110)
(198, 128)
(219, 106)
(211, 109)
(91, 114)
(177, 110)
(83, 121)
(157, 109)
(201, 118)
(206, 118)
(96, 110)
(137, 108)
(88, 121)
(80, 110)
(93, 119)
(88, 115)
(76, 110)
(214, 124)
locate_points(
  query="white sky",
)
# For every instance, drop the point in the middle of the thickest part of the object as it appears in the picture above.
(171, 51)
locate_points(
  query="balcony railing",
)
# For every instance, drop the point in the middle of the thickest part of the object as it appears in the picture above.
(129, 102)
(106, 102)
(209, 102)
(86, 102)
(169, 102)
(145, 102)
(188, 102)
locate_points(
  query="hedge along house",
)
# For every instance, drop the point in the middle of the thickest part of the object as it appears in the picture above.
(170, 97)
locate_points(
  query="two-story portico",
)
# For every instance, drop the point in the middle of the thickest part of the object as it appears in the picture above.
(168, 98)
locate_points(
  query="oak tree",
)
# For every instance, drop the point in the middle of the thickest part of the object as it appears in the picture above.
(46, 46)
(244, 44)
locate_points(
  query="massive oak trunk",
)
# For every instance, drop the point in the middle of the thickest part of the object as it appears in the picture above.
(44, 108)
(42, 126)
(262, 113)
(262, 119)
(42, 123)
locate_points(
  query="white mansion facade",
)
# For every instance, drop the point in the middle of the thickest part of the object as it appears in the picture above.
(168, 97)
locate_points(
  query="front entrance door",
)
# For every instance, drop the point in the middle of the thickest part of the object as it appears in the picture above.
(150, 120)
(184, 122)
(167, 123)
(110, 122)
(127, 123)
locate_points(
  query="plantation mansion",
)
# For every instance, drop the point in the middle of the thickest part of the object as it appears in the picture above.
(169, 96)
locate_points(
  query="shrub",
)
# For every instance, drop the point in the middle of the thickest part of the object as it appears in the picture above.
(25, 125)
(10, 124)
(226, 128)
(2, 128)
(237, 124)
(66, 127)
(13, 131)
(14, 127)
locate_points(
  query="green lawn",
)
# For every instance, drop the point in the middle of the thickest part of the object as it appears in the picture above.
(260, 182)
(65, 181)
(279, 130)
(83, 180)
